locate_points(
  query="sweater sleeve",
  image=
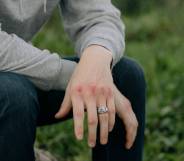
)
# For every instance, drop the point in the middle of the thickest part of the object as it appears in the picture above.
(47, 71)
(94, 22)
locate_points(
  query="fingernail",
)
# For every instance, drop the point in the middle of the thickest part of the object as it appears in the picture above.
(79, 137)
(110, 129)
(56, 115)
(103, 142)
(128, 146)
(91, 144)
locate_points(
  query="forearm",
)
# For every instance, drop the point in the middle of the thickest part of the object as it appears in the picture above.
(94, 23)
(47, 71)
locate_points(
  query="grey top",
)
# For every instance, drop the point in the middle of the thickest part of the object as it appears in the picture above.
(87, 22)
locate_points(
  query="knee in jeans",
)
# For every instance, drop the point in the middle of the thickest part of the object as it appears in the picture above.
(129, 69)
(18, 97)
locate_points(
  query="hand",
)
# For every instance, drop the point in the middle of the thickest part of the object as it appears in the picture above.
(125, 112)
(91, 86)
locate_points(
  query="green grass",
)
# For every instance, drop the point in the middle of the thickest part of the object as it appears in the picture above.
(155, 39)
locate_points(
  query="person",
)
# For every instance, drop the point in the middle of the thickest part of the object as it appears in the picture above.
(39, 88)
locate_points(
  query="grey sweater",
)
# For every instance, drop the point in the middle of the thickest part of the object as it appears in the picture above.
(86, 22)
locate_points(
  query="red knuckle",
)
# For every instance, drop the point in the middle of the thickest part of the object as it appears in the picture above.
(92, 88)
(77, 88)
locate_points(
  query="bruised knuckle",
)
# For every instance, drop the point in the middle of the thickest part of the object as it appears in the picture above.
(92, 87)
(76, 89)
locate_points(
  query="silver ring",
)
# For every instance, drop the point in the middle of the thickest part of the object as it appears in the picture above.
(102, 109)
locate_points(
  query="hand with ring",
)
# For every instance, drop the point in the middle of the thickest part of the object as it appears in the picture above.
(91, 88)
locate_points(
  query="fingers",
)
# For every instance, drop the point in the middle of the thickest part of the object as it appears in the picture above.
(112, 110)
(65, 107)
(78, 116)
(90, 97)
(131, 126)
(103, 118)
(90, 102)
(127, 115)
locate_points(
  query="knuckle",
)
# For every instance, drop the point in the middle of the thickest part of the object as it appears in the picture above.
(76, 89)
(105, 90)
(92, 121)
(101, 88)
(78, 114)
(79, 129)
(90, 90)
(92, 87)
(128, 104)
(109, 89)
(112, 110)
(110, 92)
(134, 125)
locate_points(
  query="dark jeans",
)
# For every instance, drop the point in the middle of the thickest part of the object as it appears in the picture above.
(23, 107)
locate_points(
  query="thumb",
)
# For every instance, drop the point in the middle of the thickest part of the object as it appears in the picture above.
(65, 107)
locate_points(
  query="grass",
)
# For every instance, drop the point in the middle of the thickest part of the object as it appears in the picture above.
(155, 39)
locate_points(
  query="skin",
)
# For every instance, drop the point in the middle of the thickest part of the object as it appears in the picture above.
(91, 86)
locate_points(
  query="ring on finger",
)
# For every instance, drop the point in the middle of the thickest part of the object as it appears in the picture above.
(102, 109)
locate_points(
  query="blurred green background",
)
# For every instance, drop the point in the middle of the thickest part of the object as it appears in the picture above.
(155, 38)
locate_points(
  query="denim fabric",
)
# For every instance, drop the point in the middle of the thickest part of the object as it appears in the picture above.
(23, 107)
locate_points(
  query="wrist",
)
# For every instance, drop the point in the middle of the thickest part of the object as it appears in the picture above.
(97, 54)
